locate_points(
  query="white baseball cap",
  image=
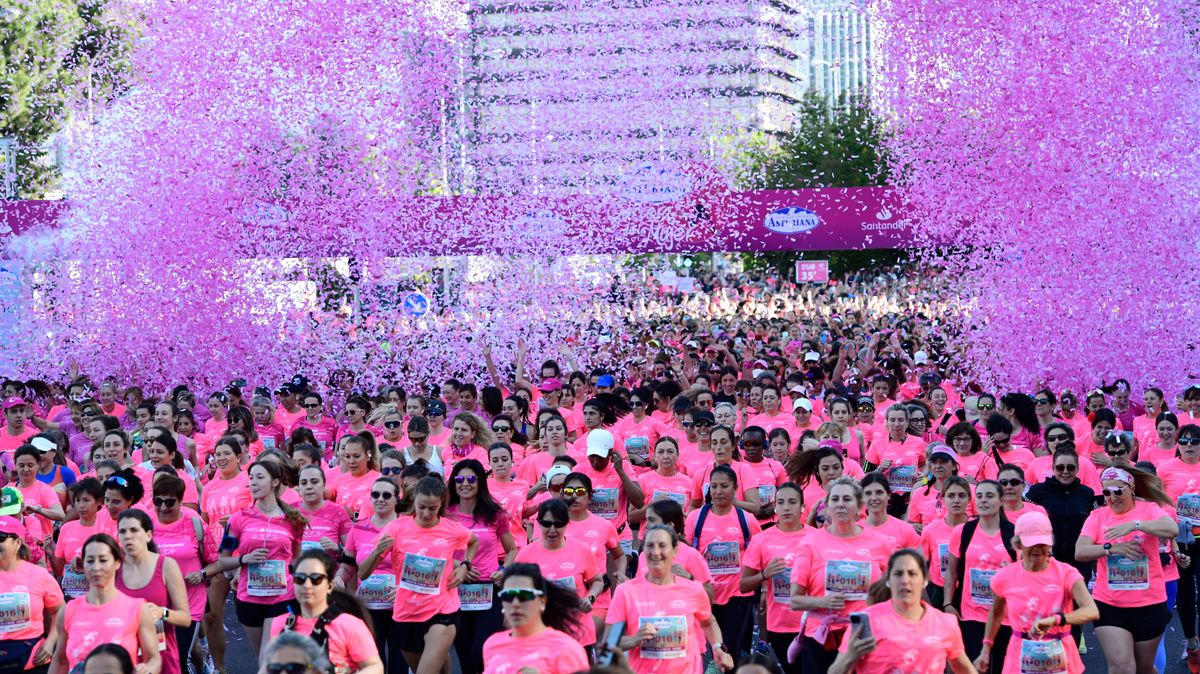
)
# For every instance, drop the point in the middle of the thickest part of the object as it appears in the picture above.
(599, 443)
(920, 358)
(802, 404)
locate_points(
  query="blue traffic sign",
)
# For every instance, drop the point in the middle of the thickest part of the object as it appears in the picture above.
(416, 304)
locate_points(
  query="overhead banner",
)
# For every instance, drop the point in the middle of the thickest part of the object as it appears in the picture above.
(680, 220)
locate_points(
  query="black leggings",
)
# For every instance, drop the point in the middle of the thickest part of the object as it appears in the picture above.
(815, 657)
(734, 618)
(383, 623)
(14, 653)
(1186, 602)
(184, 638)
(474, 628)
(779, 643)
(972, 634)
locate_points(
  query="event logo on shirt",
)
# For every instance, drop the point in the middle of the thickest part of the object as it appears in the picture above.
(113, 622)
(678, 603)
(791, 220)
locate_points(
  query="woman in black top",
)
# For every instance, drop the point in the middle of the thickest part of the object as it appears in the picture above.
(1068, 502)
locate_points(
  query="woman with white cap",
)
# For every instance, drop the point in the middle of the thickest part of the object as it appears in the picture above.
(1122, 536)
(1041, 598)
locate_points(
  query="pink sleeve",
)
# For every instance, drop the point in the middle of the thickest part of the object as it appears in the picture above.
(52, 594)
(912, 539)
(703, 606)
(209, 550)
(360, 643)
(698, 487)
(1091, 527)
(616, 610)
(572, 659)
(698, 569)
(800, 565)
(873, 453)
(613, 539)
(955, 541)
(753, 556)
(1153, 511)
(950, 628)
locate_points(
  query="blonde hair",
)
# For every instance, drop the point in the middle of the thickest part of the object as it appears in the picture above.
(483, 433)
(834, 427)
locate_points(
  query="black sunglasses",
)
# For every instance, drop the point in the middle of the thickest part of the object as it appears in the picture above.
(312, 405)
(1066, 467)
(1011, 482)
(1058, 437)
(385, 495)
(1041, 401)
(501, 429)
(391, 424)
(546, 524)
(986, 407)
(288, 668)
(1187, 442)
(392, 470)
(416, 438)
(306, 578)
(165, 502)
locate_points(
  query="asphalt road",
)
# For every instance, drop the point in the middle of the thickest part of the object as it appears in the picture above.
(239, 660)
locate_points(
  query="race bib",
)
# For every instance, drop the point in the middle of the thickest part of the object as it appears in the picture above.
(681, 499)
(766, 493)
(475, 597)
(723, 558)
(421, 574)
(981, 586)
(849, 578)
(568, 583)
(1128, 574)
(670, 640)
(781, 587)
(944, 558)
(1188, 507)
(74, 584)
(15, 612)
(310, 545)
(374, 591)
(1043, 657)
(268, 443)
(902, 478)
(266, 579)
(626, 546)
(604, 503)
(639, 446)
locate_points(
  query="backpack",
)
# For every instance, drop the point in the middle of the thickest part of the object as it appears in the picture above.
(319, 635)
(741, 515)
(1007, 531)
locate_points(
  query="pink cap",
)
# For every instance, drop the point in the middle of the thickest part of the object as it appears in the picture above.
(11, 525)
(15, 401)
(549, 385)
(1033, 528)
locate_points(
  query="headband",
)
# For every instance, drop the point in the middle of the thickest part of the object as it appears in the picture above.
(1118, 474)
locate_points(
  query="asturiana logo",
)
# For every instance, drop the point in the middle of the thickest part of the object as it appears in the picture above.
(792, 220)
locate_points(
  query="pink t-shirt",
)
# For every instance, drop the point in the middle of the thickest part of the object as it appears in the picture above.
(178, 541)
(71, 538)
(609, 499)
(547, 652)
(896, 649)
(640, 436)
(770, 422)
(677, 487)
(723, 544)
(985, 556)
(329, 521)
(423, 560)
(572, 566)
(373, 590)
(1121, 581)
(847, 566)
(977, 467)
(676, 610)
(512, 497)
(491, 550)
(350, 643)
(267, 582)
(580, 444)
(747, 481)
(354, 493)
(691, 561)
(1030, 596)
(222, 498)
(770, 474)
(771, 544)
(88, 626)
(42, 495)
(323, 430)
(27, 591)
(898, 533)
(1182, 483)
(1017, 455)
(907, 458)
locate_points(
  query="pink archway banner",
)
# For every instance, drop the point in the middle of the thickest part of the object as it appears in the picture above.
(687, 222)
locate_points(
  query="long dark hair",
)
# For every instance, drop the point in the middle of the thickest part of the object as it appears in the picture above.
(1023, 409)
(143, 520)
(486, 507)
(339, 599)
(563, 610)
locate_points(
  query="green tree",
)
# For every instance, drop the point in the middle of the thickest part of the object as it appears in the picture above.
(838, 145)
(51, 50)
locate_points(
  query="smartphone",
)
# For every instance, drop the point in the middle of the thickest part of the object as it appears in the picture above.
(604, 659)
(860, 624)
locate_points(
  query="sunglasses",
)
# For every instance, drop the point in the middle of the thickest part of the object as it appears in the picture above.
(1114, 493)
(1118, 452)
(468, 479)
(986, 407)
(917, 420)
(117, 479)
(1187, 442)
(391, 424)
(1005, 441)
(636, 403)
(1058, 437)
(394, 470)
(574, 491)
(548, 524)
(501, 429)
(384, 495)
(417, 438)
(5, 537)
(306, 578)
(1066, 468)
(288, 668)
(866, 408)
(312, 405)
(518, 594)
(165, 502)
(1011, 482)
(353, 411)
(686, 424)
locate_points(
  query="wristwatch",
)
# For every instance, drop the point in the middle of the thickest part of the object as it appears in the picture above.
(1107, 549)
(720, 645)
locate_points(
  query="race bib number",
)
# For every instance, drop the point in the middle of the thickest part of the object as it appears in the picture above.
(310, 545)
(681, 499)
(74, 584)
(902, 478)
(375, 589)
(268, 443)
(781, 587)
(766, 493)
(849, 578)
(15, 612)
(669, 641)
(266, 579)
(568, 583)
(944, 558)
(1043, 657)
(604, 503)
(723, 558)
(981, 586)
(475, 597)
(626, 546)
(1128, 574)
(1188, 508)
(421, 574)
(639, 446)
